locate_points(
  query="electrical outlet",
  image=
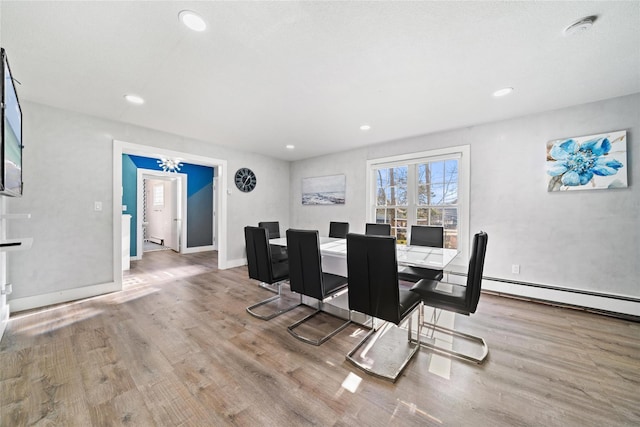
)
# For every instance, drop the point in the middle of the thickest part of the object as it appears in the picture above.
(515, 269)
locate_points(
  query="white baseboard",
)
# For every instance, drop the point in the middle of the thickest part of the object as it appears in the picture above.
(27, 303)
(232, 263)
(610, 302)
(198, 249)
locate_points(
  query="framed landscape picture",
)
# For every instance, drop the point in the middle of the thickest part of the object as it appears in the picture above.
(587, 162)
(324, 190)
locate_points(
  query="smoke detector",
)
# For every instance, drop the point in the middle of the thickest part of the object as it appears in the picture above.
(580, 25)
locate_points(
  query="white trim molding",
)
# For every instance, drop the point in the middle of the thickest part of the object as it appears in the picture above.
(196, 249)
(122, 147)
(66, 295)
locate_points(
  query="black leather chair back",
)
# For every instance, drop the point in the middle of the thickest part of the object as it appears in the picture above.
(373, 276)
(259, 261)
(476, 266)
(378, 229)
(305, 263)
(273, 227)
(338, 229)
(427, 235)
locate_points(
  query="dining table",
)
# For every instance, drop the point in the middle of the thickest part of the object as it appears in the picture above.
(334, 260)
(334, 255)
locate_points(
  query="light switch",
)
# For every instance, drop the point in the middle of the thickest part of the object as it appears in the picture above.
(97, 206)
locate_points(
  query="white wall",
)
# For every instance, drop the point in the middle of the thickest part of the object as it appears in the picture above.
(586, 240)
(68, 166)
(353, 165)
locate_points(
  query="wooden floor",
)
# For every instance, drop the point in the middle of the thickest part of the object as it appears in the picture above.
(176, 347)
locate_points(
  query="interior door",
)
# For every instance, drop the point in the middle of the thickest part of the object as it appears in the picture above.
(176, 220)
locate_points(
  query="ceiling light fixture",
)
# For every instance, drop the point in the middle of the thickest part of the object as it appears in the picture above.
(170, 165)
(134, 99)
(581, 25)
(365, 127)
(290, 147)
(192, 20)
(503, 92)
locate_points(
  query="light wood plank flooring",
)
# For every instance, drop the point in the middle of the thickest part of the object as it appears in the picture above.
(176, 348)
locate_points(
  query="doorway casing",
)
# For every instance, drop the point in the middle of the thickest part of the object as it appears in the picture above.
(220, 201)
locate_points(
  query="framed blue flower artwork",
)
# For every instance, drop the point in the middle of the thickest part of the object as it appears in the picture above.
(587, 162)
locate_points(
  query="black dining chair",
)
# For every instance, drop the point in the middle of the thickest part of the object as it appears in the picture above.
(374, 291)
(307, 278)
(278, 252)
(338, 229)
(375, 229)
(262, 267)
(461, 299)
(423, 235)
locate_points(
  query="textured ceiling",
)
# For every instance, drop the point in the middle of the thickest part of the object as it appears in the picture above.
(267, 74)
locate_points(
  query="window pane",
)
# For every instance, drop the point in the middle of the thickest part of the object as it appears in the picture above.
(451, 239)
(451, 182)
(380, 215)
(381, 197)
(451, 170)
(397, 196)
(437, 172)
(422, 174)
(401, 235)
(423, 194)
(391, 216)
(450, 218)
(451, 194)
(437, 194)
(401, 218)
(435, 216)
(422, 216)
(391, 186)
(158, 195)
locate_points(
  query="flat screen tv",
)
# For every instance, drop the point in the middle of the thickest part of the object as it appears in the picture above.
(11, 150)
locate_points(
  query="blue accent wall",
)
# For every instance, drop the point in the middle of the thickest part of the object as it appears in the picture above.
(199, 198)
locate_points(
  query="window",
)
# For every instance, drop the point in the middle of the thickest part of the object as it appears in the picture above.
(427, 188)
(391, 199)
(158, 195)
(437, 201)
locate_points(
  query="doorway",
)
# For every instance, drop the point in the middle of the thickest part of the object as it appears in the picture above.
(161, 222)
(220, 200)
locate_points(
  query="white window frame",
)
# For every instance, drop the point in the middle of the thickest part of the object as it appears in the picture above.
(463, 153)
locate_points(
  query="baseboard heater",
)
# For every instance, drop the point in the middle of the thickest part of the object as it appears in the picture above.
(567, 291)
(156, 240)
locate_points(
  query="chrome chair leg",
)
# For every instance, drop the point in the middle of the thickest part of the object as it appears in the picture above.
(433, 326)
(278, 312)
(320, 340)
(384, 368)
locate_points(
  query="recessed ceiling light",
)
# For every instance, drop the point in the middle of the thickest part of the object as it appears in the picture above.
(192, 20)
(134, 99)
(365, 127)
(290, 147)
(580, 25)
(503, 92)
